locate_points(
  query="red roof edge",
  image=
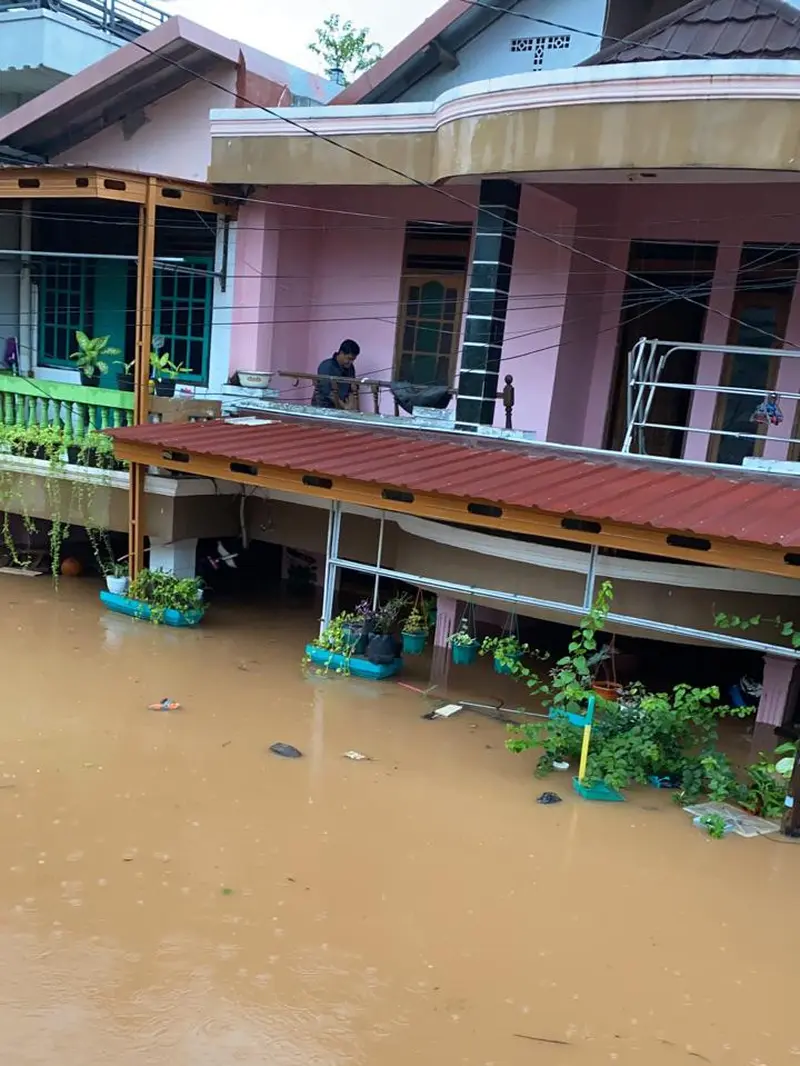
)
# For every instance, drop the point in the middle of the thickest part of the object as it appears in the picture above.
(418, 39)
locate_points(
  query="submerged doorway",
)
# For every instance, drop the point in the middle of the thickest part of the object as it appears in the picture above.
(650, 312)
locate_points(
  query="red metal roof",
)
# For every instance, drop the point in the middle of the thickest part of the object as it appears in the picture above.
(738, 504)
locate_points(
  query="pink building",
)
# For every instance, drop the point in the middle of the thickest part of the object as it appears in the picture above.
(620, 194)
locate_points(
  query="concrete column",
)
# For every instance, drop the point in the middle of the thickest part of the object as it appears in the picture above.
(709, 365)
(177, 557)
(777, 690)
(487, 302)
(255, 287)
(446, 612)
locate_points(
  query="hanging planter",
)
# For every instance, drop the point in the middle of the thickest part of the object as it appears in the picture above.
(463, 645)
(507, 650)
(415, 629)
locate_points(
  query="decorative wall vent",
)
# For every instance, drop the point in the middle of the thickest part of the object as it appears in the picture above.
(537, 46)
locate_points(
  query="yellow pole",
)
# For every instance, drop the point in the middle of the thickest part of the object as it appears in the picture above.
(587, 733)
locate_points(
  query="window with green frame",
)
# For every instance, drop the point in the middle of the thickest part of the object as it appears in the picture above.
(64, 307)
(182, 316)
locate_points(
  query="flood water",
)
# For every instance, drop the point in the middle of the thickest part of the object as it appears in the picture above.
(175, 895)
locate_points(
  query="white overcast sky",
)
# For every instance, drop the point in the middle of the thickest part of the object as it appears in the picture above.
(284, 28)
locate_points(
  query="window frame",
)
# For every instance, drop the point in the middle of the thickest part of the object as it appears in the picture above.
(46, 286)
(206, 263)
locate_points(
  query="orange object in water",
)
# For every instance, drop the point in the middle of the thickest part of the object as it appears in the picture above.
(71, 567)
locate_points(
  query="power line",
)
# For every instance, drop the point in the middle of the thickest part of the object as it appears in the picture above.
(445, 193)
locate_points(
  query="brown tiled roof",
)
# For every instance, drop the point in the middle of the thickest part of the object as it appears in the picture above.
(707, 502)
(712, 29)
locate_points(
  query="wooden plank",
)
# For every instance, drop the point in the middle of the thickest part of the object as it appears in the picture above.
(136, 510)
(734, 555)
(184, 408)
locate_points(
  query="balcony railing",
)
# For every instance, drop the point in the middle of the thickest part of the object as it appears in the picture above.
(78, 410)
(744, 410)
(75, 410)
(124, 18)
(373, 393)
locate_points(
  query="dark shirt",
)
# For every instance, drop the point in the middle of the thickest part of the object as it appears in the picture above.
(323, 393)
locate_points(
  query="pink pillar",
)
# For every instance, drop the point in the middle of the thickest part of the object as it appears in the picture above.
(709, 365)
(445, 620)
(257, 246)
(605, 353)
(788, 381)
(446, 609)
(777, 690)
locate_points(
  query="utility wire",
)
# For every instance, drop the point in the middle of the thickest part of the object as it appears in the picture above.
(439, 190)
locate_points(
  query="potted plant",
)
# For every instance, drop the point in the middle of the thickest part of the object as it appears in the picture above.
(116, 575)
(383, 646)
(165, 373)
(125, 380)
(508, 652)
(463, 646)
(90, 357)
(415, 631)
(158, 597)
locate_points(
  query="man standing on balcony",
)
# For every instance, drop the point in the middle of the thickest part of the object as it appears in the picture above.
(330, 393)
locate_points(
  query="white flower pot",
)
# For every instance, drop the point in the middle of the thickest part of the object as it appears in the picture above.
(117, 585)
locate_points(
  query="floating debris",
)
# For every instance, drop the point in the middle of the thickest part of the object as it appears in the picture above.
(286, 751)
(356, 756)
(549, 797)
(165, 705)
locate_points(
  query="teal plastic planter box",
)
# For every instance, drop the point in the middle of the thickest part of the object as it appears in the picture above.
(414, 643)
(600, 792)
(464, 654)
(137, 609)
(355, 665)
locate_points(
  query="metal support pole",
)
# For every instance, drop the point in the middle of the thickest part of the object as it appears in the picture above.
(591, 574)
(331, 566)
(378, 564)
(141, 378)
(790, 823)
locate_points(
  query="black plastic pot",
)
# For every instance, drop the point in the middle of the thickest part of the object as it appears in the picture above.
(34, 451)
(165, 386)
(382, 649)
(125, 382)
(92, 382)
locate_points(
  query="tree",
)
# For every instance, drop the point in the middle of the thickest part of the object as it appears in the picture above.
(344, 50)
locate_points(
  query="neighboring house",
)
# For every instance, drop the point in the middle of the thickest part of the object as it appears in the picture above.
(141, 109)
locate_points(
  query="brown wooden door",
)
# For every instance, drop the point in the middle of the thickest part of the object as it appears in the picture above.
(428, 328)
(762, 318)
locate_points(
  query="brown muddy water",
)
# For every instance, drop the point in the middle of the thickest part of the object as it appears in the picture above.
(174, 895)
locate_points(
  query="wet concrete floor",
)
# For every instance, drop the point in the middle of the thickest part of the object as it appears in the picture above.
(174, 895)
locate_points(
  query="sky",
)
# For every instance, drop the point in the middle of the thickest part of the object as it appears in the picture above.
(285, 29)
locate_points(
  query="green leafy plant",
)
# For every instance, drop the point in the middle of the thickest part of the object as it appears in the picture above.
(92, 353)
(339, 639)
(715, 825)
(387, 616)
(462, 637)
(162, 367)
(344, 49)
(508, 653)
(735, 621)
(416, 621)
(162, 592)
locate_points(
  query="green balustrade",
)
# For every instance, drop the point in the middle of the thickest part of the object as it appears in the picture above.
(74, 409)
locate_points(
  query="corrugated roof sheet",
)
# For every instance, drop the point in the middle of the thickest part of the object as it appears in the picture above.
(759, 509)
(713, 29)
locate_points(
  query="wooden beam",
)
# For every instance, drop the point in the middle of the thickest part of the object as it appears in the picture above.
(137, 474)
(90, 183)
(733, 555)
